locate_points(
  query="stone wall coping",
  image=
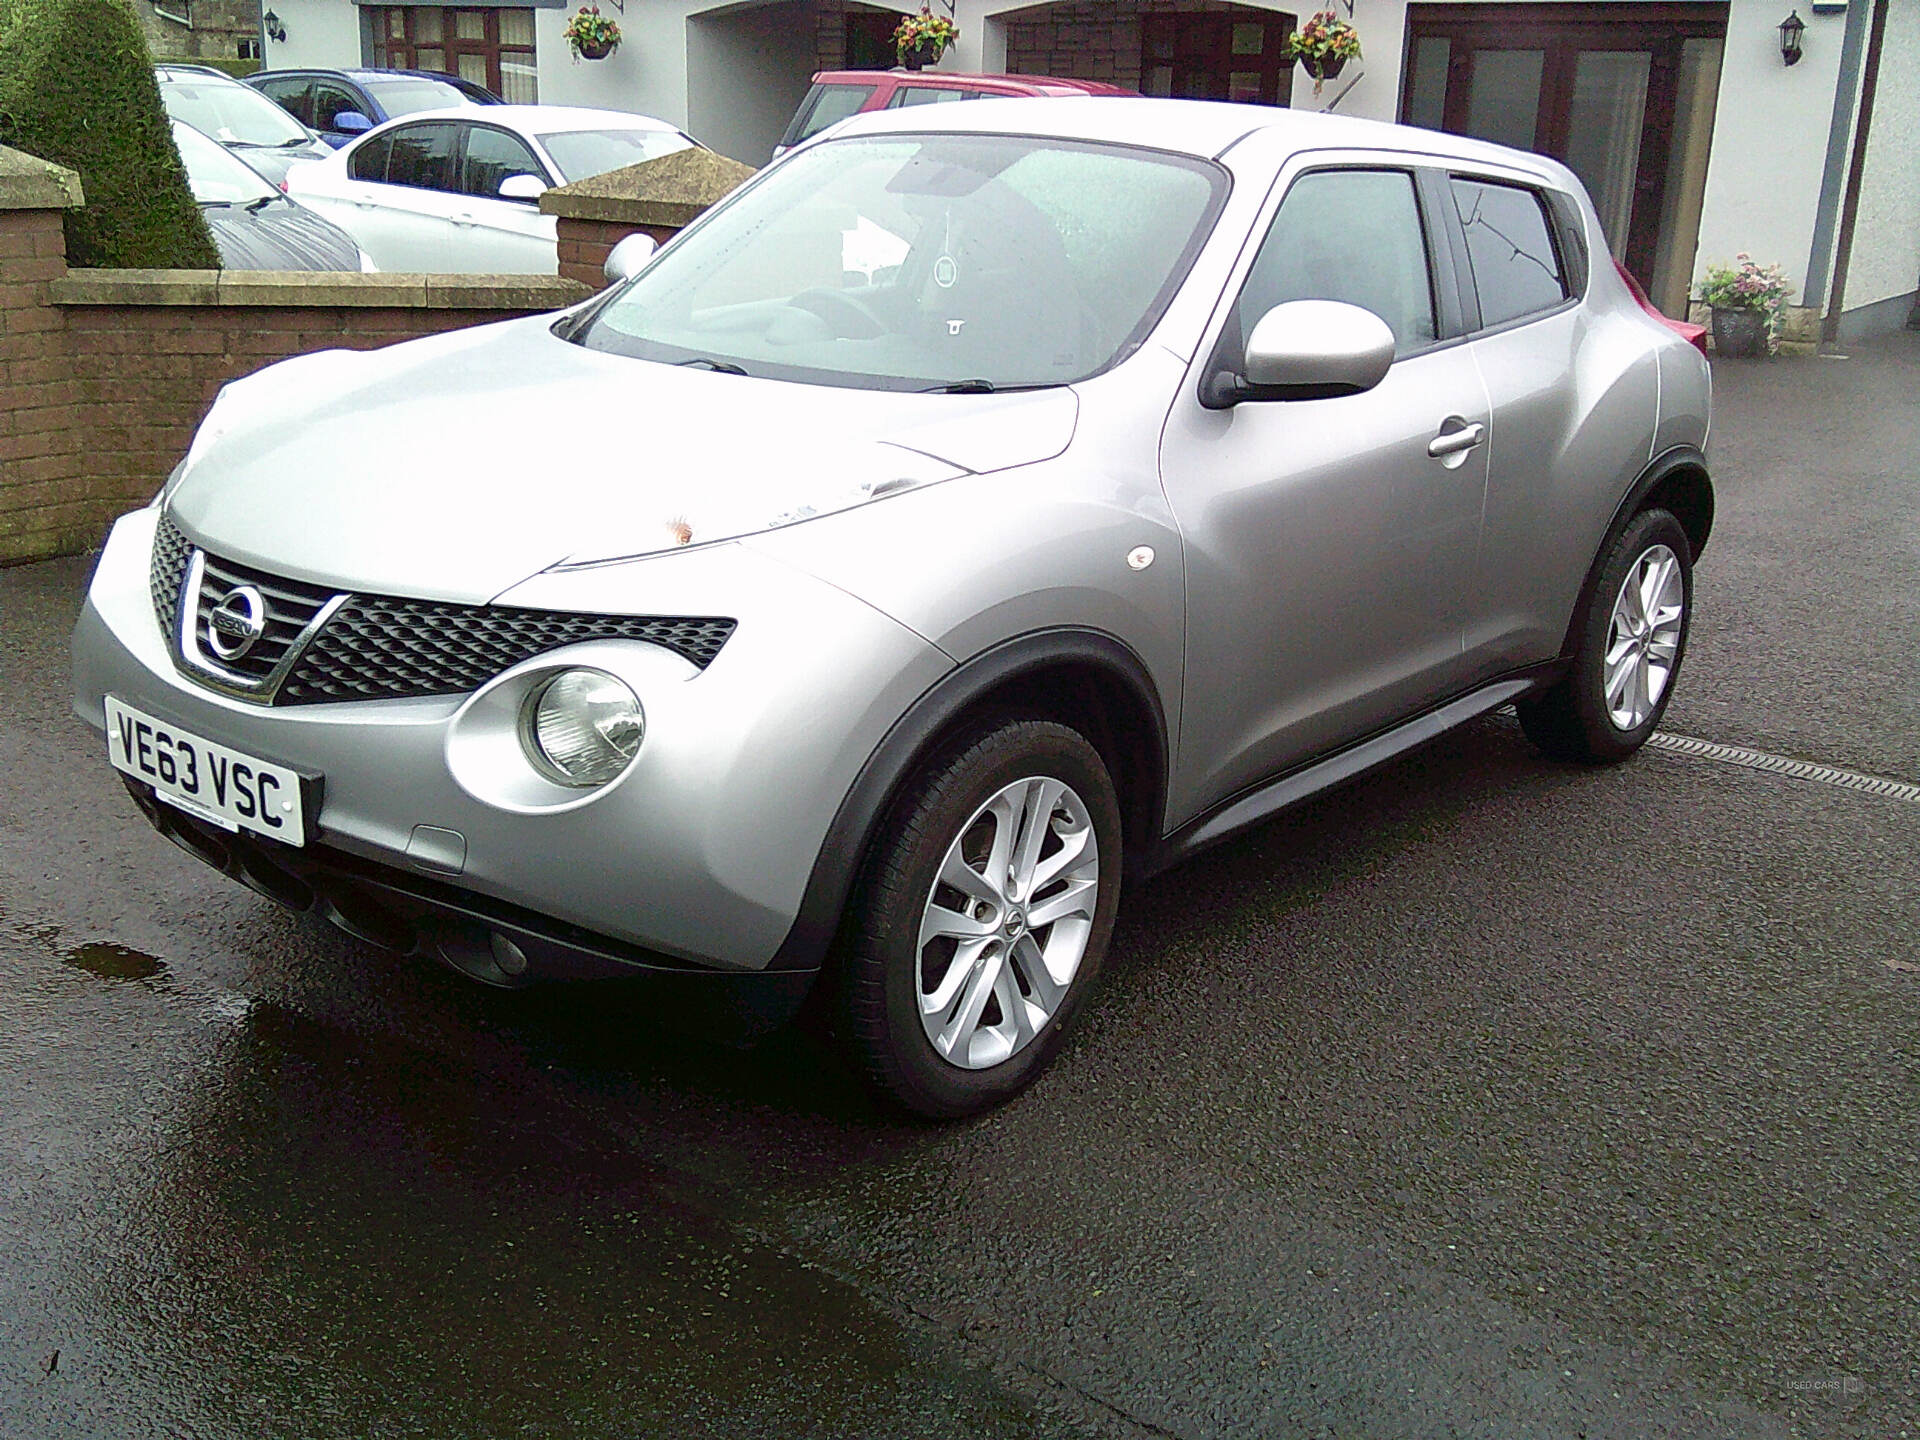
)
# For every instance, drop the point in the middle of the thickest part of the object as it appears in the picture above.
(29, 183)
(317, 289)
(669, 190)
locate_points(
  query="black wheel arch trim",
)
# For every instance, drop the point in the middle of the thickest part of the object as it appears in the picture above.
(1663, 468)
(892, 762)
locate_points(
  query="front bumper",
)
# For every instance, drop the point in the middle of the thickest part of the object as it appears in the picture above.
(699, 855)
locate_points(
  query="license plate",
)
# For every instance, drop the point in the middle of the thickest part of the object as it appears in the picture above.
(224, 787)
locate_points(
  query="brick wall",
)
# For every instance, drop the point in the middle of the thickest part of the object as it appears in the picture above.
(585, 244)
(43, 509)
(105, 374)
(1094, 39)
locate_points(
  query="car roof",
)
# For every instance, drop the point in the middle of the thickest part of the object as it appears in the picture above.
(964, 80)
(540, 119)
(183, 71)
(1203, 128)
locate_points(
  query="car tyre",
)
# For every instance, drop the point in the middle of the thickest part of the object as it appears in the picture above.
(952, 999)
(1632, 637)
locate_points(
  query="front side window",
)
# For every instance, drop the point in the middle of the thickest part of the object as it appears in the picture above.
(924, 262)
(493, 156)
(1350, 235)
(422, 156)
(1515, 267)
(294, 94)
(329, 101)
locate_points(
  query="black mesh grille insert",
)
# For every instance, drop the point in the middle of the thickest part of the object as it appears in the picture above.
(171, 552)
(377, 647)
(290, 606)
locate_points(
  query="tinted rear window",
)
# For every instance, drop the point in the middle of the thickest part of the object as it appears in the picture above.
(828, 105)
(1515, 266)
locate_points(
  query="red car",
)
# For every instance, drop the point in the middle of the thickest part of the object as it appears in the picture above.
(836, 94)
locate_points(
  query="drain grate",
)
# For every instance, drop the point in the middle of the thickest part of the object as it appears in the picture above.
(1781, 765)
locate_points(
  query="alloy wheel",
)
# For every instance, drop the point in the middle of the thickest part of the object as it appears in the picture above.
(1643, 637)
(1006, 922)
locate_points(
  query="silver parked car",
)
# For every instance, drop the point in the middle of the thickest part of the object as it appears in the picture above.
(986, 504)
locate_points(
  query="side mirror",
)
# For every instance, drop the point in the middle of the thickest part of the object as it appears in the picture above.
(523, 187)
(629, 257)
(351, 122)
(1308, 350)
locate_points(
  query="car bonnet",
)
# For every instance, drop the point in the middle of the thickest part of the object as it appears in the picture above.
(454, 467)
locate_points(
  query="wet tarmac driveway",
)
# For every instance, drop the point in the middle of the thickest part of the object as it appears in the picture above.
(1484, 1098)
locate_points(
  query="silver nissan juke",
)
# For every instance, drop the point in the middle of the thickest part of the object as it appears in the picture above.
(980, 506)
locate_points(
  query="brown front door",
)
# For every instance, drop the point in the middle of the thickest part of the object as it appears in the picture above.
(1622, 94)
(1233, 54)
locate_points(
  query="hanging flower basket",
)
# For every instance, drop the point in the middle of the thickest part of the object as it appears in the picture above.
(1323, 46)
(592, 36)
(920, 40)
(919, 57)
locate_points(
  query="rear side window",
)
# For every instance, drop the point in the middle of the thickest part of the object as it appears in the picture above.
(423, 157)
(828, 105)
(924, 95)
(1516, 268)
(369, 159)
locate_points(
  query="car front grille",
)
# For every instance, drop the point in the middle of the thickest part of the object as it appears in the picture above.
(378, 647)
(168, 571)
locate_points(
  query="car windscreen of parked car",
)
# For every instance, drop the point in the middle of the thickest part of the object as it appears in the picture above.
(232, 113)
(580, 153)
(405, 94)
(926, 262)
(214, 175)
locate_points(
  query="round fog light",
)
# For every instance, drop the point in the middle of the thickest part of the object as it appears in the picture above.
(582, 728)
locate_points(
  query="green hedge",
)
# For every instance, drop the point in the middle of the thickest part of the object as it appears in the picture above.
(77, 88)
(239, 69)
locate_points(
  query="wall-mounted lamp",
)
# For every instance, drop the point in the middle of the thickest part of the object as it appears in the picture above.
(277, 32)
(1790, 29)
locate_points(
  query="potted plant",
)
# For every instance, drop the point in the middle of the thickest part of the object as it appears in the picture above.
(1323, 46)
(592, 35)
(920, 40)
(1746, 300)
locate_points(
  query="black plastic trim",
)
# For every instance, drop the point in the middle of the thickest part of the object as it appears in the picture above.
(1680, 457)
(1260, 802)
(893, 761)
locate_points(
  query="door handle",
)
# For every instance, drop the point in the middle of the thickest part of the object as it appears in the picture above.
(463, 219)
(1452, 442)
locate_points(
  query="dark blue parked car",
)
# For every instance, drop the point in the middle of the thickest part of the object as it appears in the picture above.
(343, 104)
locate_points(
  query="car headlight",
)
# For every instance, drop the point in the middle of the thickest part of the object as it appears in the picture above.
(582, 728)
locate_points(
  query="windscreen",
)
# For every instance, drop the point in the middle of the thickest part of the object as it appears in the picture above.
(214, 175)
(231, 114)
(580, 153)
(926, 262)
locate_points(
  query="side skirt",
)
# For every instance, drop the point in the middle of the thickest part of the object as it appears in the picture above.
(1267, 799)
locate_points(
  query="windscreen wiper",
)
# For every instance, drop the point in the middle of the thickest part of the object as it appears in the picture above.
(723, 367)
